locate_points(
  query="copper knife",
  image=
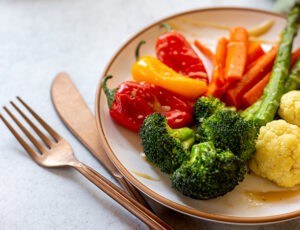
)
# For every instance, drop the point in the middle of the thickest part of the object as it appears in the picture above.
(79, 119)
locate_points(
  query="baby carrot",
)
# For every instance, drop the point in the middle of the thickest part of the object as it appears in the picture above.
(254, 52)
(203, 49)
(216, 88)
(255, 92)
(295, 56)
(236, 54)
(263, 66)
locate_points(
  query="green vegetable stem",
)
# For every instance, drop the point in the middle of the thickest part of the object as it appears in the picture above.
(293, 80)
(292, 83)
(208, 173)
(110, 93)
(275, 87)
(167, 148)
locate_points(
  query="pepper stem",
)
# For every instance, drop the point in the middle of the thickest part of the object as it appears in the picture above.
(137, 50)
(110, 93)
(166, 26)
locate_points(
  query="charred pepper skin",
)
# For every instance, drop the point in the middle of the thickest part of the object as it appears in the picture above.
(132, 102)
(176, 52)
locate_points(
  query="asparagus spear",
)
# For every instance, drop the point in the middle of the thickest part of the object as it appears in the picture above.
(293, 80)
(292, 83)
(251, 111)
(275, 87)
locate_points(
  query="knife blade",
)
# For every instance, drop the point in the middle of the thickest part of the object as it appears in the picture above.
(79, 119)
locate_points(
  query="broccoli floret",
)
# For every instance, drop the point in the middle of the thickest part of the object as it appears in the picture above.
(229, 131)
(165, 147)
(209, 173)
(205, 107)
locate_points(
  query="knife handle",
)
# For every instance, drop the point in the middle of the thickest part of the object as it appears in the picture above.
(70, 107)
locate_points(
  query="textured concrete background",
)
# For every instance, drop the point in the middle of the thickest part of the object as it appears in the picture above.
(39, 38)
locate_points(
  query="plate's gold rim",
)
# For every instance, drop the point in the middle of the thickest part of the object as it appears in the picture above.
(145, 189)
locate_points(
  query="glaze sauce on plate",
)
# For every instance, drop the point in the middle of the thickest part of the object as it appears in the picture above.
(272, 196)
(145, 176)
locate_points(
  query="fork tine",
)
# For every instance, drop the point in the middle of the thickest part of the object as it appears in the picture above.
(46, 140)
(28, 149)
(42, 122)
(34, 141)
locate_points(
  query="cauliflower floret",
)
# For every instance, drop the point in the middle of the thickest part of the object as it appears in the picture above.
(277, 156)
(289, 108)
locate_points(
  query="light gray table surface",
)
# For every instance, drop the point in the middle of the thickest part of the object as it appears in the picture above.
(39, 38)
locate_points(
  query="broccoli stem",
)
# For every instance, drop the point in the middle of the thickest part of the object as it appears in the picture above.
(293, 81)
(185, 135)
(110, 93)
(207, 147)
(275, 87)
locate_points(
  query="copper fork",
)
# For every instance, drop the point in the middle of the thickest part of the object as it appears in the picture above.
(59, 153)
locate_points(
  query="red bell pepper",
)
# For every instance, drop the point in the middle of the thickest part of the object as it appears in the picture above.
(176, 52)
(132, 102)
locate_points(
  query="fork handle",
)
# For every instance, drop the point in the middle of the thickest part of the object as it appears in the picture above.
(121, 197)
(132, 191)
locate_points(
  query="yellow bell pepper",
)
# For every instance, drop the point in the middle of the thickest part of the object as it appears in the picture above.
(153, 71)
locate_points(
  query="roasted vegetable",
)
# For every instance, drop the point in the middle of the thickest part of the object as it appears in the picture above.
(277, 153)
(264, 110)
(263, 65)
(236, 58)
(293, 80)
(208, 173)
(254, 52)
(216, 87)
(205, 107)
(165, 147)
(289, 109)
(153, 71)
(227, 139)
(131, 102)
(204, 50)
(229, 131)
(255, 93)
(275, 88)
(176, 52)
(292, 83)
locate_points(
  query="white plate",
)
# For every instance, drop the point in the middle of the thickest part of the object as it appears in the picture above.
(124, 148)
